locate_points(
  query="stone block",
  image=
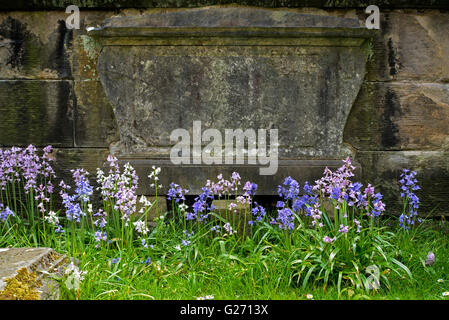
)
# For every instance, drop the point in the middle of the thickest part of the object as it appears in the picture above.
(114, 5)
(95, 124)
(400, 116)
(35, 46)
(38, 112)
(411, 45)
(232, 68)
(382, 169)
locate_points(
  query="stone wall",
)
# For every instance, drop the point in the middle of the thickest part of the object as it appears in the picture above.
(50, 91)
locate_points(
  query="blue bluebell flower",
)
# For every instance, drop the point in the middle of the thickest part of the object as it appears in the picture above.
(286, 219)
(4, 214)
(409, 184)
(115, 260)
(289, 190)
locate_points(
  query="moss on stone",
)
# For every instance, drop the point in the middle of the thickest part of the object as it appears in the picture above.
(24, 286)
(369, 50)
(91, 46)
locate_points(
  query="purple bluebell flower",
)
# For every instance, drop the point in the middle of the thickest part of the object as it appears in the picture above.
(100, 222)
(306, 201)
(188, 235)
(83, 188)
(430, 258)
(327, 239)
(202, 206)
(32, 172)
(235, 177)
(343, 229)
(100, 236)
(4, 214)
(176, 192)
(250, 188)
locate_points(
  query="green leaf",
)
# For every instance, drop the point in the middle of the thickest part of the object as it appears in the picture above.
(340, 275)
(222, 247)
(306, 279)
(232, 257)
(402, 266)
(381, 252)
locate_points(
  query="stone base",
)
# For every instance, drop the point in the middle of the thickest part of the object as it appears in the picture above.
(238, 217)
(193, 177)
(153, 213)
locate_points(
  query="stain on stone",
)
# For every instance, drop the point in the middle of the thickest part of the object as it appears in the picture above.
(391, 58)
(58, 58)
(15, 33)
(390, 130)
(27, 54)
(66, 98)
(324, 93)
(385, 23)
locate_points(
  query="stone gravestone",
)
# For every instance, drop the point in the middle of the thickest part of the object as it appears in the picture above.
(232, 68)
(24, 273)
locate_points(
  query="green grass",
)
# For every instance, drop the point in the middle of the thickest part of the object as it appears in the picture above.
(245, 272)
(287, 253)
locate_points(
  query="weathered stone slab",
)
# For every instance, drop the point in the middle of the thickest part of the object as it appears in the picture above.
(36, 112)
(225, 17)
(411, 45)
(86, 49)
(383, 169)
(35, 46)
(87, 158)
(232, 88)
(95, 124)
(38, 285)
(232, 68)
(400, 116)
(107, 4)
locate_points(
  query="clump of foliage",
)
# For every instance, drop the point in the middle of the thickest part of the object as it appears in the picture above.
(324, 234)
